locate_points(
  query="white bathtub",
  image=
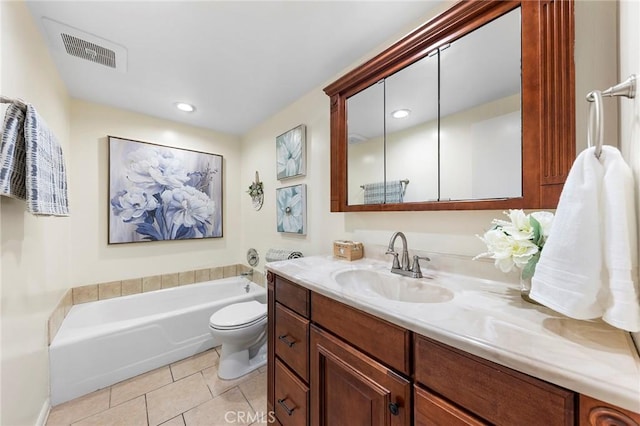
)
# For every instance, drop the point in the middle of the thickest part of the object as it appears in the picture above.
(104, 342)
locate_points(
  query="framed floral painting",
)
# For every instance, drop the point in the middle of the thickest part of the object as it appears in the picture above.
(162, 193)
(291, 202)
(291, 153)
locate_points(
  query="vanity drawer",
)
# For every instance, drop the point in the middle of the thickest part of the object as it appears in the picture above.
(384, 341)
(430, 409)
(292, 296)
(291, 397)
(292, 340)
(495, 393)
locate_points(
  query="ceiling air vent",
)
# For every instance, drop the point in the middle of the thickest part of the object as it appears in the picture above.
(83, 45)
(89, 51)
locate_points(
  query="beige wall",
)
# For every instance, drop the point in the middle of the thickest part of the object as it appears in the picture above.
(94, 260)
(596, 60)
(36, 251)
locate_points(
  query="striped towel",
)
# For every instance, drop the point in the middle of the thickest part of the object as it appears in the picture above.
(32, 164)
(374, 193)
(12, 154)
(274, 255)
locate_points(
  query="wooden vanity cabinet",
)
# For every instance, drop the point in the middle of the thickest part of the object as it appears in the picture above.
(336, 365)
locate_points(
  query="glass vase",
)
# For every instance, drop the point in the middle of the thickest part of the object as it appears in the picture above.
(525, 289)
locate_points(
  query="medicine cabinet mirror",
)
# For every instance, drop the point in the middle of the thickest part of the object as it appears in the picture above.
(473, 110)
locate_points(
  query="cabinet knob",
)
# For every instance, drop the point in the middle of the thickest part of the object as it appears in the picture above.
(393, 407)
(287, 409)
(286, 341)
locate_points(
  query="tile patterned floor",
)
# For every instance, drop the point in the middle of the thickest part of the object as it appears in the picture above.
(185, 393)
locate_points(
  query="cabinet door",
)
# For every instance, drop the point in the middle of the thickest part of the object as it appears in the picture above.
(348, 387)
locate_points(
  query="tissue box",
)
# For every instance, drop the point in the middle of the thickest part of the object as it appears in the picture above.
(348, 250)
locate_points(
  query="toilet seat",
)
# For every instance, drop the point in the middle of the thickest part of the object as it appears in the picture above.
(238, 315)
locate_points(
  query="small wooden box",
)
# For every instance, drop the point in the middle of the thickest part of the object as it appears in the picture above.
(348, 250)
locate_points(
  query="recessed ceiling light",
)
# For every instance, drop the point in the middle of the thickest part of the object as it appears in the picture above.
(185, 107)
(401, 113)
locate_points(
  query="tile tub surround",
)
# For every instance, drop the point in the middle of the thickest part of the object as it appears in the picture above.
(108, 290)
(489, 319)
(186, 392)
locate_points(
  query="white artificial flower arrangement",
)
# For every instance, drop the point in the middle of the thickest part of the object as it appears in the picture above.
(517, 242)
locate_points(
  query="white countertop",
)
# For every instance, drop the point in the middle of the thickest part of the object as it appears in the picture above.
(489, 319)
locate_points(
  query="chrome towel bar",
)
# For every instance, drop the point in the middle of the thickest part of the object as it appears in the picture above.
(596, 117)
(19, 102)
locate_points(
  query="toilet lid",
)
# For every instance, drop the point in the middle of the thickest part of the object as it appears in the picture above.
(238, 315)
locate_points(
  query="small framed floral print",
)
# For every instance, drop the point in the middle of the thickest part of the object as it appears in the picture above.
(291, 204)
(162, 193)
(291, 153)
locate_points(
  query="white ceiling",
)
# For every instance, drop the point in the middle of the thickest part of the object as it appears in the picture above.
(238, 62)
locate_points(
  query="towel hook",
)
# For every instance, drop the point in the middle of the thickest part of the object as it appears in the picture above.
(595, 122)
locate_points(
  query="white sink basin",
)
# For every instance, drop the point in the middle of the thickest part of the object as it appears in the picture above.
(370, 283)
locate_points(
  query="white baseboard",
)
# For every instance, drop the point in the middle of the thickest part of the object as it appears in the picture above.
(44, 413)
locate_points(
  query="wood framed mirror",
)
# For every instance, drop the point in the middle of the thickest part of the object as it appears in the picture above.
(545, 106)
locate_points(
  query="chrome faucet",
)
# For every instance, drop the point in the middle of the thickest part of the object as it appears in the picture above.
(247, 275)
(402, 267)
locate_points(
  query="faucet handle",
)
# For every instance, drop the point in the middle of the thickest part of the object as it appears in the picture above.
(396, 262)
(415, 268)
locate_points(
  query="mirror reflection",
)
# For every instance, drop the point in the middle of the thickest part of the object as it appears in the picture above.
(447, 127)
(411, 106)
(480, 116)
(365, 152)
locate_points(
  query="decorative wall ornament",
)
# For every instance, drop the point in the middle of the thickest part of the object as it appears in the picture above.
(291, 152)
(162, 193)
(256, 191)
(291, 208)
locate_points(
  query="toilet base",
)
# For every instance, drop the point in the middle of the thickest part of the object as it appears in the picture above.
(236, 364)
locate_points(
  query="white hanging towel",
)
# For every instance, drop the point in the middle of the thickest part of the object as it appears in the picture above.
(588, 268)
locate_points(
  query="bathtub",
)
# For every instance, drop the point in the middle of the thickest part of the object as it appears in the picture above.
(104, 342)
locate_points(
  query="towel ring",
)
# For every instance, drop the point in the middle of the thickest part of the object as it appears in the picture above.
(596, 119)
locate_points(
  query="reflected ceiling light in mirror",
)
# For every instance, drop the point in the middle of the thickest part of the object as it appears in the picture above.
(182, 106)
(401, 113)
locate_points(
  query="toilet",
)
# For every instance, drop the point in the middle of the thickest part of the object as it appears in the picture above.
(242, 330)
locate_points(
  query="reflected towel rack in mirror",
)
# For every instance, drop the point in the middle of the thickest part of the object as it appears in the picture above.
(7, 100)
(405, 182)
(596, 119)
